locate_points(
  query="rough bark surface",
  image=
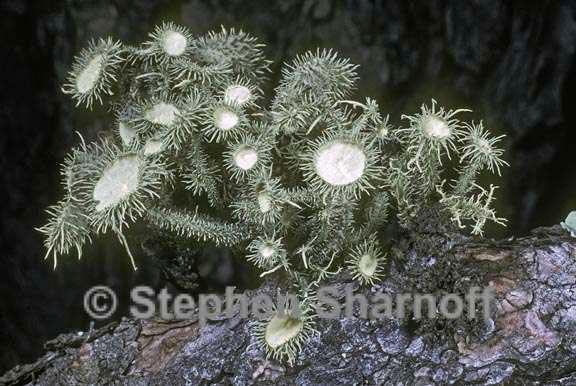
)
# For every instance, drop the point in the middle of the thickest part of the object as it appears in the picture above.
(531, 338)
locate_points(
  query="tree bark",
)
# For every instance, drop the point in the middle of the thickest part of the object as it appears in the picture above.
(532, 339)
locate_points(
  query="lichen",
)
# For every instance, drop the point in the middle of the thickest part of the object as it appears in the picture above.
(570, 223)
(302, 188)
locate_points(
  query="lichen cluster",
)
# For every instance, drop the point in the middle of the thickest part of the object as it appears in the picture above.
(300, 183)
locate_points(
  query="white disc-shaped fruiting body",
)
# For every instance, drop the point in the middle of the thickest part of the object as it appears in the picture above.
(119, 187)
(367, 262)
(245, 157)
(432, 133)
(173, 119)
(88, 77)
(238, 94)
(168, 42)
(264, 202)
(284, 334)
(340, 163)
(436, 127)
(225, 119)
(267, 252)
(117, 182)
(174, 43)
(161, 113)
(122, 185)
(94, 72)
(282, 329)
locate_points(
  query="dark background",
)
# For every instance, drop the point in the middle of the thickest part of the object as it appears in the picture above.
(511, 61)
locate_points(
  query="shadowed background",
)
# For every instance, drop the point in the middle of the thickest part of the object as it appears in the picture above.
(512, 62)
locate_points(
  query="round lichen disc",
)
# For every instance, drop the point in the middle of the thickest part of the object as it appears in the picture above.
(162, 114)
(246, 157)
(264, 202)
(340, 163)
(281, 330)
(238, 94)
(117, 182)
(88, 77)
(174, 43)
(267, 251)
(225, 119)
(367, 264)
(436, 127)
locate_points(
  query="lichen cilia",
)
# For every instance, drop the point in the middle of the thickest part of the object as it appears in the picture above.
(302, 189)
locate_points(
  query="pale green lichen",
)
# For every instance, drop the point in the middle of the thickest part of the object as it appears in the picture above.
(366, 262)
(302, 189)
(94, 72)
(287, 330)
(117, 182)
(168, 42)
